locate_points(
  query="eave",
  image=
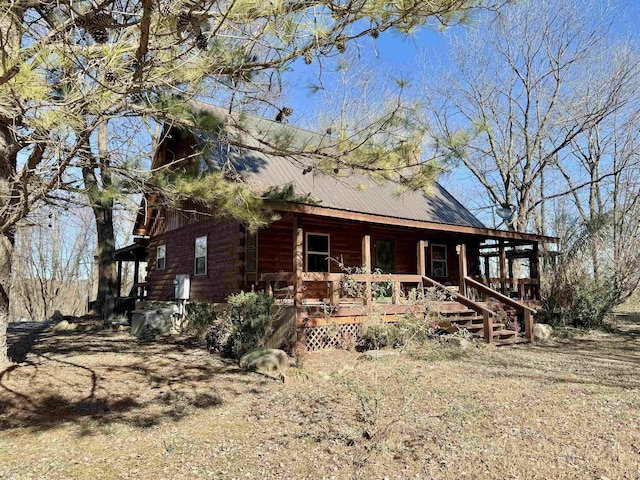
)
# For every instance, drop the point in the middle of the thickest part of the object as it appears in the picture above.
(487, 233)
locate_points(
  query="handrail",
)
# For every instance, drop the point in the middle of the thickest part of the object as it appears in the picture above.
(527, 312)
(497, 295)
(487, 315)
(467, 302)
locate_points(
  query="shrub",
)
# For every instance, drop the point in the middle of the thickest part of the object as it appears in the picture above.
(378, 334)
(249, 315)
(587, 306)
(207, 320)
(591, 304)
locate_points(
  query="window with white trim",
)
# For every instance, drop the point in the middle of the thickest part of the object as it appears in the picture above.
(438, 260)
(317, 252)
(201, 256)
(161, 257)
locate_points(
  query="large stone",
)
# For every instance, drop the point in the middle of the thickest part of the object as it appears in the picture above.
(459, 342)
(542, 331)
(64, 326)
(377, 354)
(147, 324)
(269, 361)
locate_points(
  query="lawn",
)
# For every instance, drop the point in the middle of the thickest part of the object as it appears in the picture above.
(97, 404)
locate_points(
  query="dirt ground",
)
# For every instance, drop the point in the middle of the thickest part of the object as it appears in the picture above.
(99, 405)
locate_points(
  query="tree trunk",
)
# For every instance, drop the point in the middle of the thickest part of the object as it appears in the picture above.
(6, 251)
(102, 205)
(7, 169)
(107, 276)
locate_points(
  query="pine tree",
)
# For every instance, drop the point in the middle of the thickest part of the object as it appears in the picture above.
(67, 67)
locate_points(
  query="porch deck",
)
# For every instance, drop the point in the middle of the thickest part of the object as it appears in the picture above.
(346, 300)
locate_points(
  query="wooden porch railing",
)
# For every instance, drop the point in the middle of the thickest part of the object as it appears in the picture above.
(334, 281)
(487, 315)
(490, 293)
(526, 288)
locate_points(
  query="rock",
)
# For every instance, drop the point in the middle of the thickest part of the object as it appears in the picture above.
(376, 354)
(542, 331)
(64, 326)
(267, 361)
(148, 324)
(459, 342)
(57, 317)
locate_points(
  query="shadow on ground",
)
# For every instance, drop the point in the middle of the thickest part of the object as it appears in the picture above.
(99, 377)
(600, 359)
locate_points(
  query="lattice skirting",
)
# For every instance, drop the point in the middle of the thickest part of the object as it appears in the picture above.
(332, 336)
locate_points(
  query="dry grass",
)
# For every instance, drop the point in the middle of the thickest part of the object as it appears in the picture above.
(95, 404)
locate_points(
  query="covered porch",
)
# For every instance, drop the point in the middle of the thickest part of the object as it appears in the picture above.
(119, 306)
(488, 272)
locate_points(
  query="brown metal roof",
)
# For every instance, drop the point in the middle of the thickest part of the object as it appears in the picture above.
(347, 191)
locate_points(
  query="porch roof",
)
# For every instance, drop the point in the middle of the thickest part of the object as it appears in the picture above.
(485, 233)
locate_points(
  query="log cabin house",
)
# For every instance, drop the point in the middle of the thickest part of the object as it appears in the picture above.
(388, 242)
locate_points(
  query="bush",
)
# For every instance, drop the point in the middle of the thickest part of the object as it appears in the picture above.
(378, 334)
(249, 315)
(587, 306)
(210, 323)
(591, 304)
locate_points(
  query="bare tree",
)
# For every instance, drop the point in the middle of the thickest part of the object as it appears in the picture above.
(67, 67)
(53, 264)
(522, 89)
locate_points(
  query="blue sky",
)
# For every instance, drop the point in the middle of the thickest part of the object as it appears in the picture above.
(397, 55)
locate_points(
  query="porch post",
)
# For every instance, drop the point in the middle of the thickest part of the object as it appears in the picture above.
(366, 266)
(119, 285)
(136, 273)
(366, 253)
(422, 264)
(535, 271)
(462, 267)
(298, 242)
(487, 270)
(503, 268)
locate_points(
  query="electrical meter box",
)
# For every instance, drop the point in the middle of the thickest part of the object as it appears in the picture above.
(182, 284)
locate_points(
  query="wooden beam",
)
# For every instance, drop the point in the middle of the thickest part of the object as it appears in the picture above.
(400, 222)
(487, 269)
(535, 271)
(528, 325)
(366, 253)
(487, 323)
(395, 293)
(335, 292)
(119, 285)
(503, 268)
(462, 266)
(422, 263)
(298, 260)
(366, 266)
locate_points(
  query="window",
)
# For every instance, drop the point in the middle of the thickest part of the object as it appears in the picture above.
(201, 256)
(251, 252)
(161, 257)
(385, 256)
(317, 252)
(439, 260)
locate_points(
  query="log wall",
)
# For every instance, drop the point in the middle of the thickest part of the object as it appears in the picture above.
(225, 261)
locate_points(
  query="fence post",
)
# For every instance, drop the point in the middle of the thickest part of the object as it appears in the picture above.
(487, 323)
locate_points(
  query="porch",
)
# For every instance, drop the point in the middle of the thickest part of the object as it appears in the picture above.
(120, 306)
(477, 302)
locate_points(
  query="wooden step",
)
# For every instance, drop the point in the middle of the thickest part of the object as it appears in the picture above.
(476, 328)
(510, 341)
(502, 334)
(471, 319)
